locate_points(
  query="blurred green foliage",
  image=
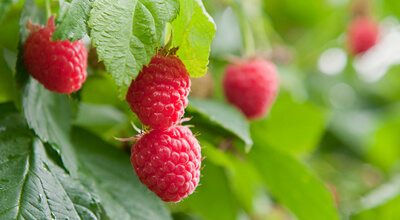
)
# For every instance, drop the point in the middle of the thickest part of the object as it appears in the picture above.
(328, 149)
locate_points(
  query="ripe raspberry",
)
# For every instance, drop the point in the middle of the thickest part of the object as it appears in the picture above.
(158, 96)
(168, 162)
(251, 86)
(59, 66)
(362, 34)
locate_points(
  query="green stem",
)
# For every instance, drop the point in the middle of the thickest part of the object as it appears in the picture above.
(48, 8)
(247, 34)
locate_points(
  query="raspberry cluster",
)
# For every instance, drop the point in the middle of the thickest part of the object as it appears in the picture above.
(59, 65)
(167, 159)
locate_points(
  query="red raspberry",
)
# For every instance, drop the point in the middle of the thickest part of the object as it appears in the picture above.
(59, 66)
(251, 86)
(362, 34)
(158, 96)
(168, 162)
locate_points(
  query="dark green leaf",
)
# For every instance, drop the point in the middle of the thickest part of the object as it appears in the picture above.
(126, 33)
(121, 193)
(224, 115)
(49, 115)
(73, 17)
(32, 185)
(36, 15)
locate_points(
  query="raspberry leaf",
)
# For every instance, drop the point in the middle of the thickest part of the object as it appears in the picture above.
(126, 33)
(192, 31)
(121, 194)
(49, 115)
(73, 16)
(225, 116)
(5, 6)
(304, 123)
(214, 182)
(292, 184)
(33, 185)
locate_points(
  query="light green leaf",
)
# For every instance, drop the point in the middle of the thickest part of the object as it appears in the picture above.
(73, 16)
(213, 199)
(32, 184)
(292, 184)
(126, 33)
(121, 193)
(291, 126)
(382, 203)
(241, 174)
(192, 31)
(49, 115)
(224, 115)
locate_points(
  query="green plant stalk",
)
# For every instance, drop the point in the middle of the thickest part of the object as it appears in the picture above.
(48, 8)
(247, 34)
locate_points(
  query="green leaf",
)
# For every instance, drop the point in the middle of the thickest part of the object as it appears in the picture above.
(121, 193)
(73, 16)
(192, 31)
(49, 115)
(224, 115)
(213, 199)
(291, 126)
(35, 13)
(382, 203)
(126, 33)
(95, 115)
(5, 6)
(292, 184)
(32, 185)
(241, 174)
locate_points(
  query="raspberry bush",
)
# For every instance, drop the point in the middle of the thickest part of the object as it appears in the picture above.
(297, 117)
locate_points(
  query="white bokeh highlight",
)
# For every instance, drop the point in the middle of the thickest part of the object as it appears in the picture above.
(332, 61)
(375, 63)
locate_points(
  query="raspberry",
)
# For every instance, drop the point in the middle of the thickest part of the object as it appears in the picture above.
(251, 86)
(362, 34)
(168, 162)
(59, 65)
(158, 96)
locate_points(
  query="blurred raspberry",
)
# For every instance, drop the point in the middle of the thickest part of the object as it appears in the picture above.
(59, 65)
(251, 86)
(362, 34)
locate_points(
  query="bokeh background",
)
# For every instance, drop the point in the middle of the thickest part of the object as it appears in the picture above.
(336, 118)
